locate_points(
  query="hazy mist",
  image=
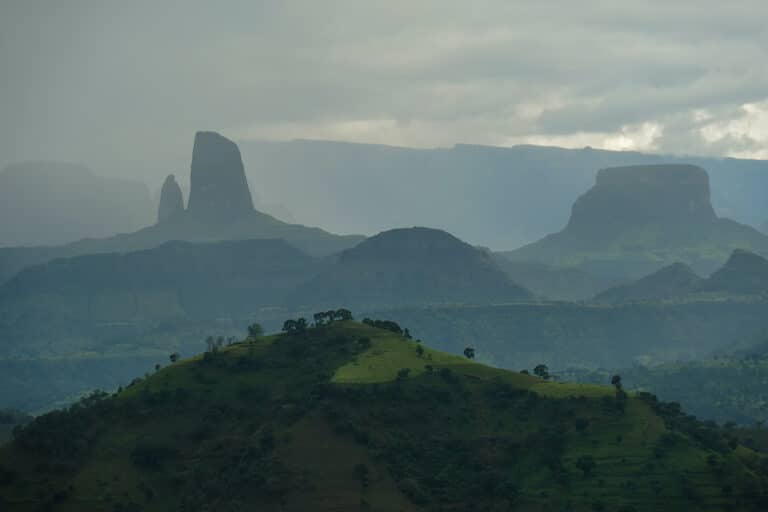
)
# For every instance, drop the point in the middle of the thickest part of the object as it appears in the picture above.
(123, 86)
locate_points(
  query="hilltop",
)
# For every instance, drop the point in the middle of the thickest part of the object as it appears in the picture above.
(675, 280)
(745, 274)
(219, 208)
(349, 417)
(411, 266)
(637, 219)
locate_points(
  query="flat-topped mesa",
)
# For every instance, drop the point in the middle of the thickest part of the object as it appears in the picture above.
(171, 200)
(218, 187)
(645, 194)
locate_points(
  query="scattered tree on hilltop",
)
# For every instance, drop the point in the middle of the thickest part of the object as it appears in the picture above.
(469, 352)
(541, 370)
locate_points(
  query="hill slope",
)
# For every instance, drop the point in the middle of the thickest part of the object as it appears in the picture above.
(635, 220)
(411, 266)
(349, 418)
(744, 273)
(676, 280)
(68, 299)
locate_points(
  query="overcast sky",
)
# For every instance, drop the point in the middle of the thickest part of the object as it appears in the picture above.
(123, 86)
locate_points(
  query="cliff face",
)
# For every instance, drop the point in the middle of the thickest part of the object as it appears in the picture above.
(171, 200)
(218, 187)
(638, 219)
(676, 196)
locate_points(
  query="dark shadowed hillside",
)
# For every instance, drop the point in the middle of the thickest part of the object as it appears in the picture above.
(411, 266)
(744, 273)
(676, 280)
(69, 305)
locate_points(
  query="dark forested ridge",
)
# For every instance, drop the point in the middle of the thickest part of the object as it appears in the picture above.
(345, 416)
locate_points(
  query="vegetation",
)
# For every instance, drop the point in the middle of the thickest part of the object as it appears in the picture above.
(347, 416)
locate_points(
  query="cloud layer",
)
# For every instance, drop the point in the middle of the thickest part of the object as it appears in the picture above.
(124, 85)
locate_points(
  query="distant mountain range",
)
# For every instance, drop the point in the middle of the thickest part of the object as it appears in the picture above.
(220, 208)
(744, 274)
(498, 197)
(46, 203)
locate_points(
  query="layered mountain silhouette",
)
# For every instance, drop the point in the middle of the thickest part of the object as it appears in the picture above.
(177, 281)
(675, 280)
(501, 197)
(744, 273)
(220, 208)
(552, 282)
(56, 202)
(411, 266)
(637, 219)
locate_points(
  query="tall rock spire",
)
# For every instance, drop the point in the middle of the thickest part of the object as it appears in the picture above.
(218, 187)
(171, 200)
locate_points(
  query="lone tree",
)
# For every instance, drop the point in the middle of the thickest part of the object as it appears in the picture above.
(174, 357)
(255, 330)
(616, 381)
(542, 371)
(469, 352)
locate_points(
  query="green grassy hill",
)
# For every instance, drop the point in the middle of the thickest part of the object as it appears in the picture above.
(347, 417)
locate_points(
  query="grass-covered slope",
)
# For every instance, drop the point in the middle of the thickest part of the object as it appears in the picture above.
(348, 417)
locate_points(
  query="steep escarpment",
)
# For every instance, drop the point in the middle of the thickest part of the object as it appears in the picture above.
(637, 219)
(218, 187)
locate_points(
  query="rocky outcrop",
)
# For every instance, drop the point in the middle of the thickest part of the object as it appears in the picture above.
(622, 197)
(171, 200)
(218, 187)
(637, 219)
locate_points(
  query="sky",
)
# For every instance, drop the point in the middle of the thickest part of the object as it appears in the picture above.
(122, 86)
